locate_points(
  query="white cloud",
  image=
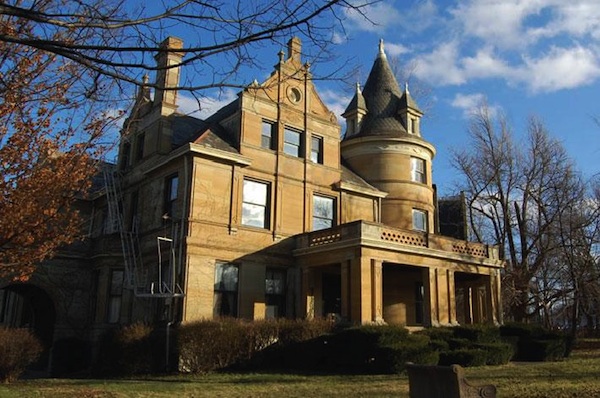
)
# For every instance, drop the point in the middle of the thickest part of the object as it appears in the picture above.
(393, 50)
(335, 102)
(485, 64)
(338, 38)
(577, 18)
(498, 22)
(440, 66)
(470, 104)
(373, 17)
(561, 68)
(208, 105)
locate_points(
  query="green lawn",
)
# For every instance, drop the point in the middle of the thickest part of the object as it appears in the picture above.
(577, 376)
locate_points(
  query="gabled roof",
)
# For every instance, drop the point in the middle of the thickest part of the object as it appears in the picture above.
(360, 185)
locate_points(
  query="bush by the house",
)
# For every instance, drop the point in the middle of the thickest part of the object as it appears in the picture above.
(357, 350)
(210, 345)
(470, 345)
(464, 357)
(534, 343)
(128, 351)
(18, 349)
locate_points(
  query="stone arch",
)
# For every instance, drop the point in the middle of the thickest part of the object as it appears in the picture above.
(24, 305)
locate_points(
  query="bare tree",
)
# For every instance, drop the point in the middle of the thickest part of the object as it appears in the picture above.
(64, 67)
(118, 39)
(517, 194)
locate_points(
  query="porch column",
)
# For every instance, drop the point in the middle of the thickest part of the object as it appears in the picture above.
(431, 317)
(377, 290)
(345, 279)
(493, 294)
(452, 318)
(360, 290)
(308, 294)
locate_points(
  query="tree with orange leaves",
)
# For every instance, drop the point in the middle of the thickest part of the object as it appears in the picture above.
(49, 140)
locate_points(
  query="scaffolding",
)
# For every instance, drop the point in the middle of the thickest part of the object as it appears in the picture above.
(137, 277)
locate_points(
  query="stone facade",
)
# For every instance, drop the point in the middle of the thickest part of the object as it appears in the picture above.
(264, 210)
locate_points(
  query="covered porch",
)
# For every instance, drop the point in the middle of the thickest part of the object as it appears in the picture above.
(370, 273)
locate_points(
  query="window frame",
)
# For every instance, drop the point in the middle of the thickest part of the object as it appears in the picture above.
(425, 218)
(316, 156)
(139, 146)
(171, 194)
(288, 144)
(114, 296)
(418, 174)
(319, 218)
(275, 299)
(271, 137)
(247, 203)
(220, 289)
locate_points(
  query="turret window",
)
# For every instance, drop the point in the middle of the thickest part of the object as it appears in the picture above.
(419, 220)
(417, 170)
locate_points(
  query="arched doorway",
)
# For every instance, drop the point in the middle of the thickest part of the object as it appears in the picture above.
(28, 306)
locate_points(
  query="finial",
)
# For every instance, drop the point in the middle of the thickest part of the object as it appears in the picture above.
(281, 55)
(406, 87)
(357, 87)
(381, 47)
(145, 79)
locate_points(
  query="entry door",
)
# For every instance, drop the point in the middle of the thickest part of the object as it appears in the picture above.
(332, 294)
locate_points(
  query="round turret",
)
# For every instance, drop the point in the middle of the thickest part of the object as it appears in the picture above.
(383, 144)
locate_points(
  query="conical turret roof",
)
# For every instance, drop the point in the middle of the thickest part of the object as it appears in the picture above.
(382, 97)
(357, 102)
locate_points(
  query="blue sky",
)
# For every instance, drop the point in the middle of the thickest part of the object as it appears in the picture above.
(524, 57)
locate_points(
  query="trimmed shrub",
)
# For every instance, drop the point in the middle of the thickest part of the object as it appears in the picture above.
(357, 350)
(130, 350)
(70, 356)
(534, 343)
(18, 349)
(496, 353)
(293, 331)
(230, 343)
(464, 357)
(478, 333)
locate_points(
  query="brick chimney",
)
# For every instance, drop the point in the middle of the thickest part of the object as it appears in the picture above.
(167, 76)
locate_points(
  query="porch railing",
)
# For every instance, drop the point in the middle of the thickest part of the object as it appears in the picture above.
(377, 232)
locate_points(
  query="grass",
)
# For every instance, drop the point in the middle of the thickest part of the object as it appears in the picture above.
(576, 376)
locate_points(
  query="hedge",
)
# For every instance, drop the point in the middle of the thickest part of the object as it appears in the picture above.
(18, 349)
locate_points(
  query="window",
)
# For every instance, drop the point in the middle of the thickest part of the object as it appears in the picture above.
(114, 296)
(419, 302)
(125, 153)
(316, 149)
(255, 204)
(323, 212)
(419, 220)
(134, 219)
(171, 191)
(292, 142)
(140, 146)
(226, 290)
(417, 170)
(275, 293)
(268, 135)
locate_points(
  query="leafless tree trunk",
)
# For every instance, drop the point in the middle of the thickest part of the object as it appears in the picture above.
(518, 195)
